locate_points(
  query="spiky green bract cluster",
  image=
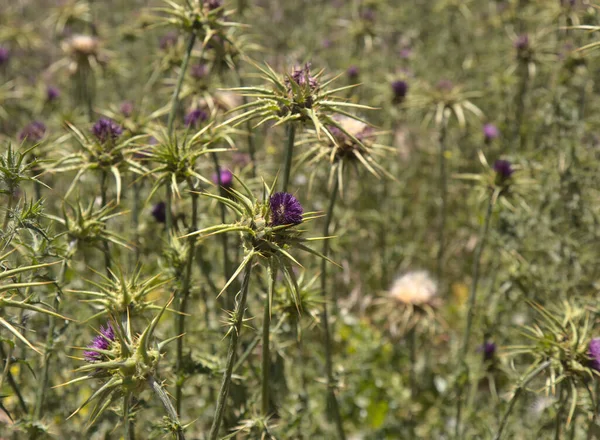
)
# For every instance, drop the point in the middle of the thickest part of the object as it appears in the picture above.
(121, 293)
(126, 367)
(260, 238)
(561, 337)
(295, 97)
(111, 156)
(176, 156)
(17, 166)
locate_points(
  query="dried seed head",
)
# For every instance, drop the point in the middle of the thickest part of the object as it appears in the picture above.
(416, 288)
(84, 45)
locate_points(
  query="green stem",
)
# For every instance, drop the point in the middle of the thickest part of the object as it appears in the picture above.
(11, 200)
(185, 291)
(472, 302)
(175, 97)
(168, 207)
(11, 379)
(135, 217)
(250, 138)
(103, 198)
(444, 201)
(266, 356)
(240, 308)
(126, 426)
(518, 392)
(168, 406)
(331, 386)
(289, 153)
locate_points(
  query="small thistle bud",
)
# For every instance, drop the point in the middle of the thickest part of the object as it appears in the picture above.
(198, 71)
(213, 4)
(445, 86)
(126, 108)
(103, 341)
(352, 72)
(226, 178)
(4, 56)
(195, 117)
(490, 132)
(84, 45)
(594, 354)
(406, 53)
(52, 93)
(522, 42)
(416, 288)
(302, 77)
(33, 132)
(368, 14)
(285, 209)
(489, 350)
(504, 171)
(168, 40)
(399, 88)
(159, 212)
(107, 130)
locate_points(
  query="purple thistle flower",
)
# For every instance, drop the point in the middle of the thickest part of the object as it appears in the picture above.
(522, 42)
(352, 72)
(399, 88)
(489, 350)
(100, 342)
(491, 132)
(503, 169)
(126, 108)
(406, 53)
(198, 71)
(168, 40)
(159, 212)
(4, 55)
(594, 354)
(302, 77)
(226, 178)
(285, 209)
(194, 117)
(33, 132)
(106, 130)
(52, 93)
(213, 4)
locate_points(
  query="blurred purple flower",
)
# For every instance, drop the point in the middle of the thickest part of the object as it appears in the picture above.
(159, 212)
(33, 132)
(594, 354)
(4, 55)
(352, 72)
(503, 169)
(302, 77)
(126, 108)
(107, 130)
(226, 178)
(194, 117)
(490, 131)
(100, 342)
(522, 42)
(285, 209)
(198, 71)
(400, 89)
(445, 85)
(213, 4)
(52, 93)
(406, 53)
(489, 350)
(168, 40)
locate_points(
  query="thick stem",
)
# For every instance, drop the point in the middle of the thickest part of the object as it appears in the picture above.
(331, 396)
(168, 406)
(443, 205)
(289, 153)
(471, 304)
(266, 355)
(175, 97)
(233, 343)
(126, 426)
(518, 392)
(184, 295)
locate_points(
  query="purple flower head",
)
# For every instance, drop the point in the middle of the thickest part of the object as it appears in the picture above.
(226, 178)
(213, 4)
(326, 43)
(594, 354)
(4, 55)
(490, 131)
(52, 93)
(406, 53)
(302, 77)
(522, 42)
(33, 132)
(101, 342)
(159, 212)
(194, 117)
(285, 209)
(168, 40)
(503, 169)
(399, 88)
(352, 72)
(107, 130)
(126, 108)
(489, 350)
(445, 85)
(368, 14)
(198, 71)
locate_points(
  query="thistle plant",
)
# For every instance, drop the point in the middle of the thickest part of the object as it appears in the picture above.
(126, 364)
(268, 230)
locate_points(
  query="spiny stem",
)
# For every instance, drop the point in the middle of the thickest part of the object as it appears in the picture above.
(518, 392)
(233, 343)
(331, 397)
(289, 153)
(184, 294)
(472, 301)
(266, 356)
(175, 97)
(168, 406)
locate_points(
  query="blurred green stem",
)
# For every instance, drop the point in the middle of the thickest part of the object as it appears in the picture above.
(9, 377)
(444, 201)
(233, 343)
(168, 406)
(168, 209)
(251, 147)
(103, 197)
(472, 302)
(175, 97)
(266, 356)
(515, 396)
(331, 386)
(127, 426)
(11, 201)
(183, 299)
(289, 153)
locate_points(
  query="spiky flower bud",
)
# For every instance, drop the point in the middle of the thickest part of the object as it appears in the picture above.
(107, 130)
(285, 209)
(33, 132)
(399, 89)
(504, 171)
(488, 349)
(490, 132)
(159, 212)
(353, 72)
(225, 176)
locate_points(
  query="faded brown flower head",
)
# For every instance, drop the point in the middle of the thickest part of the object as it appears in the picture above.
(83, 45)
(415, 288)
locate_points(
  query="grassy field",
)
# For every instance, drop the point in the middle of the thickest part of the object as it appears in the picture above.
(299, 219)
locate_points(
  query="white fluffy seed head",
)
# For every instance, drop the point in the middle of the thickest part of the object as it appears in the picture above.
(415, 288)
